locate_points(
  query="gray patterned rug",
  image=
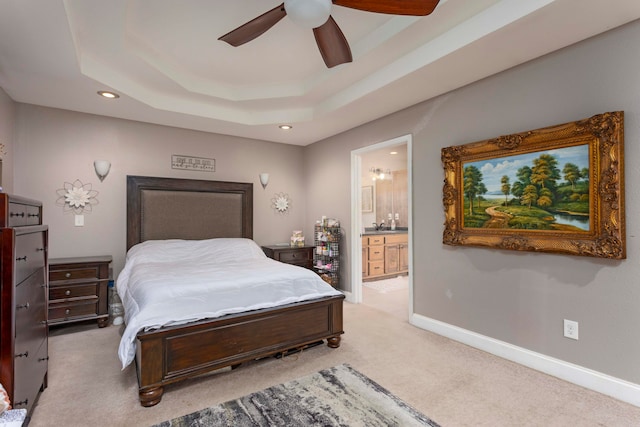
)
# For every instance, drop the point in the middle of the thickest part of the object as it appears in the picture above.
(338, 396)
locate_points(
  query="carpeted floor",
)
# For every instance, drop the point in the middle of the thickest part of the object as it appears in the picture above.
(451, 383)
(338, 396)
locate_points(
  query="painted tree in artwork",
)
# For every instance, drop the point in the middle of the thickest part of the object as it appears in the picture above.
(529, 196)
(506, 188)
(545, 171)
(524, 179)
(571, 174)
(473, 184)
(545, 198)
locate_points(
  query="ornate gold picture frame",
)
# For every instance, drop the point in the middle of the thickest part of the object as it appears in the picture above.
(558, 189)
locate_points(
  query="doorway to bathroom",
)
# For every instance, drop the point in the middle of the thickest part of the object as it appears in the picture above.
(381, 232)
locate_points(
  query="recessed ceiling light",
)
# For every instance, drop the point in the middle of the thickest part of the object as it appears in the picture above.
(107, 94)
(393, 152)
(286, 127)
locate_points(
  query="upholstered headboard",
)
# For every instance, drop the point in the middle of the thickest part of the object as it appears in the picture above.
(171, 208)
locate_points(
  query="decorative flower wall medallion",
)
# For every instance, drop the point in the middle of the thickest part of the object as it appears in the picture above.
(281, 202)
(76, 197)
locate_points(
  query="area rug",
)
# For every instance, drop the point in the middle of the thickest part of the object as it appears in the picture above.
(338, 396)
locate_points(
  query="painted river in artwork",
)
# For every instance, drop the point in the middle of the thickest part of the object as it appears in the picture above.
(579, 221)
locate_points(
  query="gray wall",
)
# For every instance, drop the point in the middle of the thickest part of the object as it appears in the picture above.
(516, 297)
(7, 126)
(57, 146)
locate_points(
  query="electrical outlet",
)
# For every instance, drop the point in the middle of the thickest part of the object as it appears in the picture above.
(571, 329)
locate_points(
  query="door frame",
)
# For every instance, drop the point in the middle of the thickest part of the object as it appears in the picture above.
(356, 214)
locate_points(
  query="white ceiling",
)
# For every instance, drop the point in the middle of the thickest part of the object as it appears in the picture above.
(164, 59)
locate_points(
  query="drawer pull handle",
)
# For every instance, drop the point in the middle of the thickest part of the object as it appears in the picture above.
(67, 311)
(31, 215)
(12, 214)
(67, 275)
(67, 292)
(24, 258)
(25, 354)
(40, 250)
(22, 403)
(42, 359)
(25, 306)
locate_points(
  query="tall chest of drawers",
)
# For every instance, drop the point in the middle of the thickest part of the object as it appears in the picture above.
(23, 300)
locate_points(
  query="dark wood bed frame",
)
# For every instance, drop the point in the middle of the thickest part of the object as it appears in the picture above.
(168, 208)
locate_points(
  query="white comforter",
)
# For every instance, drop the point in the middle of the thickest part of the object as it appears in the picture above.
(172, 282)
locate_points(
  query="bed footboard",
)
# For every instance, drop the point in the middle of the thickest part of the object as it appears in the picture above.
(173, 354)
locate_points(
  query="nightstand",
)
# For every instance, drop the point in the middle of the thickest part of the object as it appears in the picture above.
(296, 255)
(78, 290)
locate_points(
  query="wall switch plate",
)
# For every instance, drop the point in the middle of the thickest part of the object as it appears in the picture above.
(571, 329)
(79, 220)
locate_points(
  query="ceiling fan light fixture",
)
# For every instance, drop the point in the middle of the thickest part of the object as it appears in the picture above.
(308, 13)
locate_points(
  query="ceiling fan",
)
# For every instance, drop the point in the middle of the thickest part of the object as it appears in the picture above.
(316, 14)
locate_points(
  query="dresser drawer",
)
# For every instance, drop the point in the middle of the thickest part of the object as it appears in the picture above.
(29, 373)
(29, 255)
(73, 274)
(60, 311)
(21, 215)
(30, 312)
(72, 291)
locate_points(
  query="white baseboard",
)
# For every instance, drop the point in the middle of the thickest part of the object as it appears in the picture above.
(587, 378)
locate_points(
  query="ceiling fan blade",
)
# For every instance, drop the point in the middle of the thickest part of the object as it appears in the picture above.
(252, 29)
(393, 7)
(332, 43)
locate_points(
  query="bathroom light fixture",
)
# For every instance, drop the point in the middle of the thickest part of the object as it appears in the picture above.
(264, 179)
(285, 127)
(102, 168)
(378, 173)
(308, 13)
(107, 94)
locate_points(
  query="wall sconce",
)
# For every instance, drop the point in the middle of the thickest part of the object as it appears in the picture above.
(102, 168)
(264, 179)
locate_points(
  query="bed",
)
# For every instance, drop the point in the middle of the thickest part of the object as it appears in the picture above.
(168, 209)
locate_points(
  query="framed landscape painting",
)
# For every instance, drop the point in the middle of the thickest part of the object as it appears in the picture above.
(558, 189)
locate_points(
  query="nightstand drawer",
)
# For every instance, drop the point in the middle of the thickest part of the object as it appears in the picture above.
(64, 311)
(72, 291)
(73, 274)
(295, 257)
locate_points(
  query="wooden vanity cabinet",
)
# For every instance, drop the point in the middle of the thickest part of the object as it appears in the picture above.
(385, 255)
(375, 256)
